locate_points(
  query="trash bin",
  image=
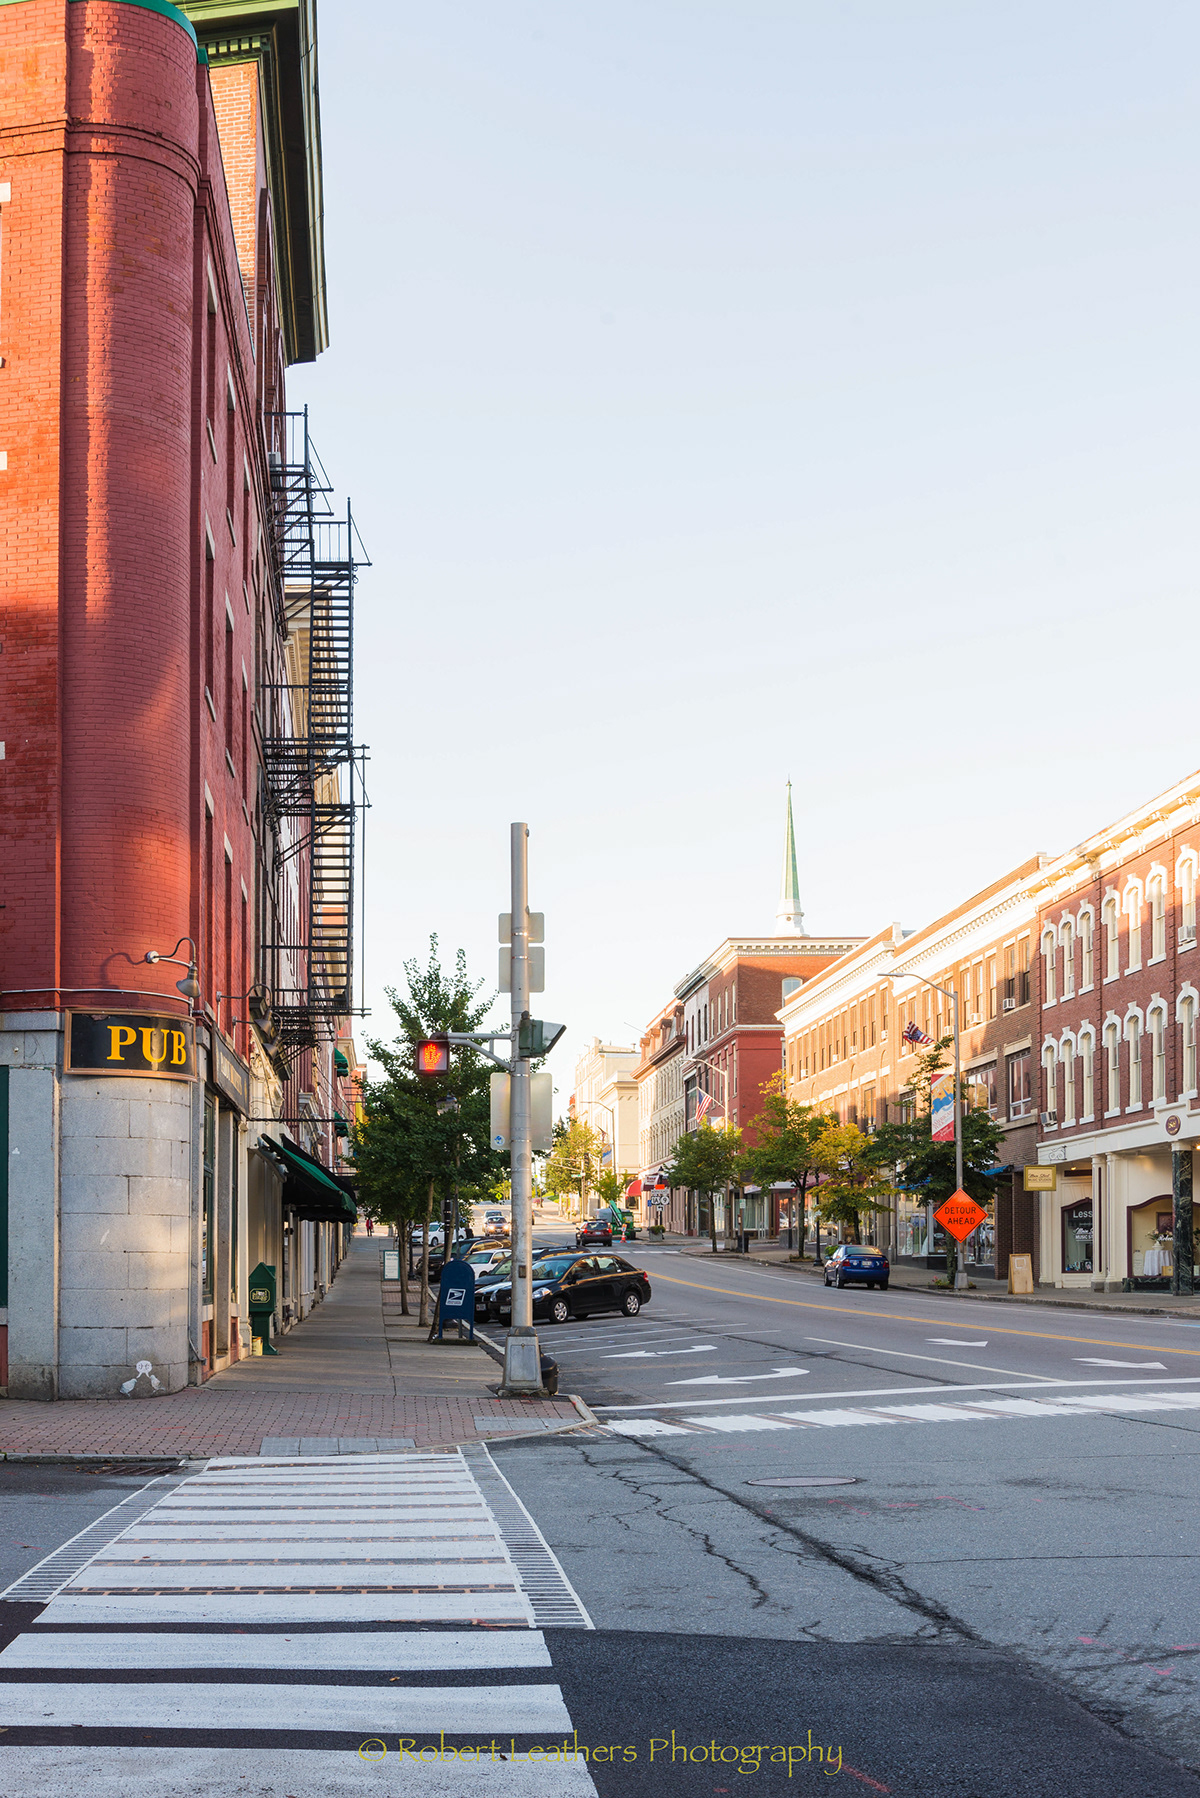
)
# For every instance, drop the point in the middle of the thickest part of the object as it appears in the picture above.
(549, 1375)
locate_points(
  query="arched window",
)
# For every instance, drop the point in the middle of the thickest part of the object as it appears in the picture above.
(1133, 1034)
(1133, 911)
(1112, 1059)
(1157, 895)
(1087, 1066)
(1050, 1071)
(1068, 1068)
(1112, 954)
(1158, 1066)
(1066, 936)
(1049, 966)
(1186, 879)
(1086, 972)
(1187, 1018)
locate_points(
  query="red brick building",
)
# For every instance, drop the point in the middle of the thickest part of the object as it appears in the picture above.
(161, 265)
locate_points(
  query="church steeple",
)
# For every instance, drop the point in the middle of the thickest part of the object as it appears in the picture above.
(789, 916)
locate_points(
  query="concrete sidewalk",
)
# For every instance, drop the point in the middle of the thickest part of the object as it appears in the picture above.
(920, 1279)
(354, 1373)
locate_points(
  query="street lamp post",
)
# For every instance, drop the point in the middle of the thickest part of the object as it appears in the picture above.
(601, 1106)
(960, 1267)
(699, 1061)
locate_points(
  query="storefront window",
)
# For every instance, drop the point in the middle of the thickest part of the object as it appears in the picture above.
(234, 1207)
(208, 1198)
(1077, 1237)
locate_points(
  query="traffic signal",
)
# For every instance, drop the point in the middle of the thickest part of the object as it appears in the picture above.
(433, 1056)
(536, 1037)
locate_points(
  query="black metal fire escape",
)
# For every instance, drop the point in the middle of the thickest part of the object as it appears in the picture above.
(313, 768)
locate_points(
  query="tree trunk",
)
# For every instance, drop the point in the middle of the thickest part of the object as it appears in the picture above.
(402, 1240)
(421, 1318)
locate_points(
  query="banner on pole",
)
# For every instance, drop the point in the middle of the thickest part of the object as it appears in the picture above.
(941, 1114)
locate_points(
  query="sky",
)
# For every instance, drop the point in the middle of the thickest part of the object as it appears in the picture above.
(732, 391)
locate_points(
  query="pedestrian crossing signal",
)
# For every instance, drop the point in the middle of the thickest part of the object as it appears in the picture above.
(433, 1056)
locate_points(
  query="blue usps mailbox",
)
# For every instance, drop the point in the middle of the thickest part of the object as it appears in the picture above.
(456, 1296)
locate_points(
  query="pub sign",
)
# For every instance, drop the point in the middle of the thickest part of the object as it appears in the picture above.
(130, 1043)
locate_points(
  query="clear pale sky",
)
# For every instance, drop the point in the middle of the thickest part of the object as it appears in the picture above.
(735, 391)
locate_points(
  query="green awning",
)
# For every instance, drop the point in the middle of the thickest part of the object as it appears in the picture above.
(340, 1126)
(309, 1190)
(340, 1062)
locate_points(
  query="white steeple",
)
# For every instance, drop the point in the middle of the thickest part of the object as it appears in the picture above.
(789, 916)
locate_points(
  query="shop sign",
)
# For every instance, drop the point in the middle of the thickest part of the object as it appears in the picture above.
(229, 1074)
(130, 1043)
(960, 1215)
(941, 1108)
(1041, 1179)
(1174, 1123)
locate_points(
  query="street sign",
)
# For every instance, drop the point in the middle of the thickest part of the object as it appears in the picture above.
(941, 1108)
(960, 1215)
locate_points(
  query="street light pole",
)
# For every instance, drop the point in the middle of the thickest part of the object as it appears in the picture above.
(700, 1062)
(522, 1357)
(960, 1265)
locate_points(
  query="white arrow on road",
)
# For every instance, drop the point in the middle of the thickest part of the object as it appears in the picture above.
(1095, 1361)
(716, 1379)
(953, 1342)
(707, 1348)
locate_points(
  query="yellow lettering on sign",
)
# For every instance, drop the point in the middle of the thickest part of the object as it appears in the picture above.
(178, 1048)
(148, 1037)
(122, 1038)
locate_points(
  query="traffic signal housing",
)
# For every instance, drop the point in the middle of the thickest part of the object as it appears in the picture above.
(433, 1056)
(536, 1037)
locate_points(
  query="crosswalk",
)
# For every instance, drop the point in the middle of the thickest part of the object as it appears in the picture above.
(834, 1417)
(278, 1628)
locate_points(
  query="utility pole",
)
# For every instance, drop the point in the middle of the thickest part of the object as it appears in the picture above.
(522, 1355)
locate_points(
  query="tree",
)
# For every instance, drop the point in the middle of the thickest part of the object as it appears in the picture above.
(574, 1161)
(854, 1180)
(706, 1161)
(788, 1134)
(927, 1168)
(407, 1150)
(610, 1189)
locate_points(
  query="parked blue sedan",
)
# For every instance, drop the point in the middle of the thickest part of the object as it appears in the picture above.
(852, 1262)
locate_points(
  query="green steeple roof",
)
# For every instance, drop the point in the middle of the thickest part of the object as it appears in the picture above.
(789, 916)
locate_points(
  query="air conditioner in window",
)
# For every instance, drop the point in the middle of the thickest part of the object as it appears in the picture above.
(1010, 1005)
(1048, 1118)
(1187, 935)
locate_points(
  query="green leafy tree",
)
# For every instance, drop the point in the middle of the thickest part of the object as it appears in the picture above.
(786, 1149)
(573, 1163)
(707, 1161)
(854, 1180)
(410, 1147)
(927, 1168)
(610, 1189)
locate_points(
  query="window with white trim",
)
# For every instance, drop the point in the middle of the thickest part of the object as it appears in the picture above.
(1187, 896)
(1158, 1066)
(1066, 935)
(1133, 911)
(1112, 952)
(1087, 1064)
(1133, 1033)
(1112, 1058)
(1050, 1073)
(1068, 1068)
(1086, 975)
(1187, 1018)
(1158, 917)
(1049, 970)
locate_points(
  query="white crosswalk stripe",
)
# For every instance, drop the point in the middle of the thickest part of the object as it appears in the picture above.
(303, 1583)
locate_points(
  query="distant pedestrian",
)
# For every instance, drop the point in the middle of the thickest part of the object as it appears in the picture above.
(370, 1226)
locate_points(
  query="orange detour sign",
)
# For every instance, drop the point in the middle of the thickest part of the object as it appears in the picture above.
(960, 1215)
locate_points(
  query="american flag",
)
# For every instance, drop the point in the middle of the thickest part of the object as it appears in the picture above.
(914, 1034)
(703, 1106)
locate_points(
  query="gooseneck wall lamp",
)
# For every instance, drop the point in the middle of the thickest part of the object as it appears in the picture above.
(189, 986)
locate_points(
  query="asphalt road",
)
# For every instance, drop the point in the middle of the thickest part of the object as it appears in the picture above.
(1019, 1500)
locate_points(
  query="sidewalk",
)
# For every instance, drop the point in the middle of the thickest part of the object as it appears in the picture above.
(354, 1377)
(920, 1279)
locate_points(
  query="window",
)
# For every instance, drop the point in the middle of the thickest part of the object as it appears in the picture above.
(1068, 1069)
(1050, 1073)
(1158, 917)
(981, 1090)
(1158, 1066)
(1112, 1058)
(1023, 971)
(208, 1197)
(1086, 973)
(1187, 1014)
(1133, 1031)
(1050, 966)
(1077, 1237)
(1066, 933)
(1133, 910)
(1187, 894)
(991, 986)
(1087, 1058)
(1111, 950)
(866, 1108)
(1020, 1085)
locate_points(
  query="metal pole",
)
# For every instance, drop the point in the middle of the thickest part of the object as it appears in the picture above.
(960, 1265)
(522, 1358)
(1183, 1257)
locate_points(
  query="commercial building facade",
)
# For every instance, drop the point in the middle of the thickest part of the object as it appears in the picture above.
(176, 836)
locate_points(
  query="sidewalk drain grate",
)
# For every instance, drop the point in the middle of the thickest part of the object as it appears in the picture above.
(556, 1605)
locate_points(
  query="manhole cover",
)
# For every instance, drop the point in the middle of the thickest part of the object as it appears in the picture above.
(806, 1480)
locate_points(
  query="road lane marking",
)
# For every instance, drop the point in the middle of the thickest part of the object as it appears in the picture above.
(766, 1298)
(953, 1342)
(908, 1355)
(1096, 1361)
(1022, 1385)
(743, 1379)
(379, 1651)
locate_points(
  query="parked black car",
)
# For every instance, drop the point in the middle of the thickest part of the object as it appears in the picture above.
(594, 1229)
(851, 1262)
(566, 1286)
(501, 1274)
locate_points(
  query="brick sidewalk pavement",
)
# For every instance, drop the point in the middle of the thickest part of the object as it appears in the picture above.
(351, 1371)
